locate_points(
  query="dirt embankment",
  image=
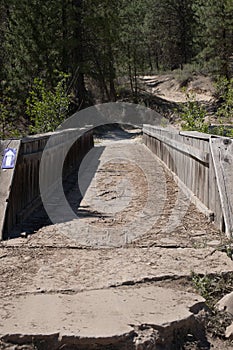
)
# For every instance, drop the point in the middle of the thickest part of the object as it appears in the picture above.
(174, 88)
(166, 93)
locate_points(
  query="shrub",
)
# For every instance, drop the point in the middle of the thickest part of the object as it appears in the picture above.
(224, 89)
(193, 115)
(225, 93)
(47, 108)
(8, 116)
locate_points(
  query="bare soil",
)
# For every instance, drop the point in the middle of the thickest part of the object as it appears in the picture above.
(174, 87)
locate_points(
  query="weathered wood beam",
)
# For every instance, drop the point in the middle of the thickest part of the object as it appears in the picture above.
(222, 154)
(182, 147)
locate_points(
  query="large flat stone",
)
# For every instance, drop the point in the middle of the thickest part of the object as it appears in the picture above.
(105, 314)
(99, 269)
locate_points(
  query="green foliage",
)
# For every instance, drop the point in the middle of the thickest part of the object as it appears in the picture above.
(47, 108)
(214, 34)
(106, 41)
(4, 115)
(203, 285)
(7, 115)
(102, 23)
(173, 27)
(133, 55)
(224, 113)
(212, 288)
(225, 92)
(193, 115)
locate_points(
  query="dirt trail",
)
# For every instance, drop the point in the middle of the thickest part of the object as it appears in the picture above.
(173, 88)
(135, 230)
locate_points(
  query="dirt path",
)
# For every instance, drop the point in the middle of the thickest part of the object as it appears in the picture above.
(134, 230)
(171, 86)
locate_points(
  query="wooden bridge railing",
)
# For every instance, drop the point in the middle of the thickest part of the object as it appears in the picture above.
(19, 190)
(202, 165)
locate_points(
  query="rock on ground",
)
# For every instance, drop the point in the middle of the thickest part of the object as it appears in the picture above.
(102, 316)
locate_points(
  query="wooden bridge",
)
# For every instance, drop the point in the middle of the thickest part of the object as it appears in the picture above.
(200, 164)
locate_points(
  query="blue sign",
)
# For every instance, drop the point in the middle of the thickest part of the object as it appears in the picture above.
(9, 158)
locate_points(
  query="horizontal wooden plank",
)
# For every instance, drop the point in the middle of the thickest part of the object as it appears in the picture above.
(56, 134)
(160, 128)
(182, 147)
(33, 156)
(195, 135)
(200, 135)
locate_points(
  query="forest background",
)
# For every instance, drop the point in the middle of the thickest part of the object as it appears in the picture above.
(57, 57)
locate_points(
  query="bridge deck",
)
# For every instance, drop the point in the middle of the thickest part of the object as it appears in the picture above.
(128, 198)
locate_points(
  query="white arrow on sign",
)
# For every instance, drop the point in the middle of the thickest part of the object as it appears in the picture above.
(9, 156)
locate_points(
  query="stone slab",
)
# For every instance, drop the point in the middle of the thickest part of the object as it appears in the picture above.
(98, 313)
(53, 270)
(81, 270)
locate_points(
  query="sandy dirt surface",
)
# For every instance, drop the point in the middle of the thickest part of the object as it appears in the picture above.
(134, 228)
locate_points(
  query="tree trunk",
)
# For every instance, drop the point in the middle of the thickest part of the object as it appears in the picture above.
(135, 78)
(79, 83)
(64, 37)
(102, 80)
(112, 90)
(130, 70)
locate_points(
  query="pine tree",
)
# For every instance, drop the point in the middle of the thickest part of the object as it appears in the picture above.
(101, 40)
(172, 27)
(134, 50)
(216, 23)
(32, 43)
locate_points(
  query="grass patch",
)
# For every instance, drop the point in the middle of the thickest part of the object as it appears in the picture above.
(213, 287)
